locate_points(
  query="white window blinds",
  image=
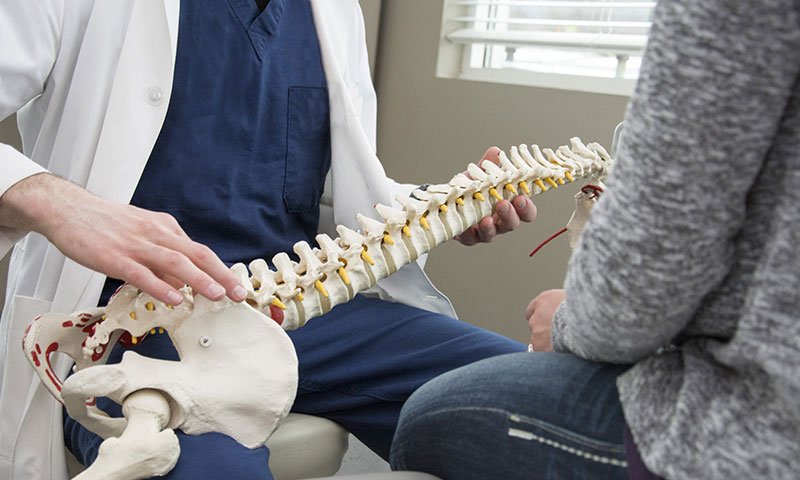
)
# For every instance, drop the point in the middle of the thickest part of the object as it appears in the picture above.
(601, 39)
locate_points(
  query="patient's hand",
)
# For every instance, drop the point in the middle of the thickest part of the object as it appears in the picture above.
(507, 215)
(540, 318)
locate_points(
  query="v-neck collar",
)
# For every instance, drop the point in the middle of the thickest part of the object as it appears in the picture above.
(254, 20)
(260, 26)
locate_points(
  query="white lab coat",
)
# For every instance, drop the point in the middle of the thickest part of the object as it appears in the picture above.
(91, 82)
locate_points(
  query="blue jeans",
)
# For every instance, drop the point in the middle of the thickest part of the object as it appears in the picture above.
(358, 365)
(519, 416)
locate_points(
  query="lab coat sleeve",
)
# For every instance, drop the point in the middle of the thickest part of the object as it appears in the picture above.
(30, 35)
(29, 39)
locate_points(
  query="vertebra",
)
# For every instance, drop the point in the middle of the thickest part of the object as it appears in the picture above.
(339, 268)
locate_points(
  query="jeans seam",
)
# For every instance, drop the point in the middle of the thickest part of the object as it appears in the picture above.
(567, 435)
(525, 435)
(586, 442)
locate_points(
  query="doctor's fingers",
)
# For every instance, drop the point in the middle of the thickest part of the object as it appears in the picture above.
(146, 272)
(164, 231)
(483, 232)
(181, 260)
(174, 282)
(509, 215)
(143, 278)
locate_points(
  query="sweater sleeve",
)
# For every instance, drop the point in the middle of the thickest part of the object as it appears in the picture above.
(715, 81)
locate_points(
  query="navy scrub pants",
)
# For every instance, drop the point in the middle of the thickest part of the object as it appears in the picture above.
(358, 365)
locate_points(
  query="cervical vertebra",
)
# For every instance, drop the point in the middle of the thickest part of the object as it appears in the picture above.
(238, 369)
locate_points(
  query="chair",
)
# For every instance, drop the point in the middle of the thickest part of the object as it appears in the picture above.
(303, 446)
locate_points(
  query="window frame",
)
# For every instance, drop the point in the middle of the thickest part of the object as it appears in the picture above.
(453, 61)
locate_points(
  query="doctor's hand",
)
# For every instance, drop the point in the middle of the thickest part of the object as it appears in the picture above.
(506, 217)
(540, 314)
(144, 248)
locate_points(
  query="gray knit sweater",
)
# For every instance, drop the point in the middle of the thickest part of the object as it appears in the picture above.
(696, 243)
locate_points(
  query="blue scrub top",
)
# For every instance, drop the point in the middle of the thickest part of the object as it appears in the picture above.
(242, 157)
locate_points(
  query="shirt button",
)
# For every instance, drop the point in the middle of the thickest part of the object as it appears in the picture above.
(154, 96)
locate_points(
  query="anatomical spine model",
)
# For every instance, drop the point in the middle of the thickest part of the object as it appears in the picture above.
(237, 372)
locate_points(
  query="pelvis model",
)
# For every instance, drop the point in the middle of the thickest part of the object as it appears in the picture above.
(237, 372)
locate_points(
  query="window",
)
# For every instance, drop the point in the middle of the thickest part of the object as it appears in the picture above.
(593, 46)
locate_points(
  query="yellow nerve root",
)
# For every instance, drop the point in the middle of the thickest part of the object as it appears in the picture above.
(479, 197)
(365, 256)
(388, 239)
(424, 222)
(343, 273)
(540, 184)
(525, 188)
(493, 192)
(510, 188)
(277, 303)
(321, 288)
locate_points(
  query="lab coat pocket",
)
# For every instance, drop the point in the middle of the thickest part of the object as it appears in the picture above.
(308, 148)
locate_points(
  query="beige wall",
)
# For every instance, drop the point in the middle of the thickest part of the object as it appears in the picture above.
(9, 133)
(429, 128)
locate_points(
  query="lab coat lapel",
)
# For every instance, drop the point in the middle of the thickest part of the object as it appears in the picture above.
(358, 178)
(137, 106)
(172, 10)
